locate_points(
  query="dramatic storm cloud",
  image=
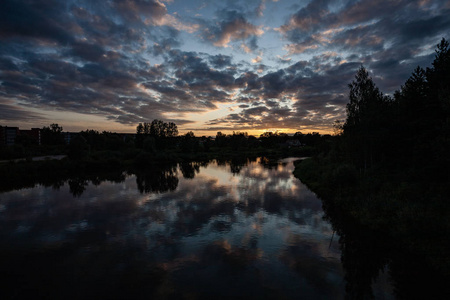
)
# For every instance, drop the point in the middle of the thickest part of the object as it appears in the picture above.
(205, 65)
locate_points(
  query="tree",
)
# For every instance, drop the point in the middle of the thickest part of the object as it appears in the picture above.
(221, 139)
(365, 101)
(139, 136)
(159, 130)
(78, 147)
(189, 135)
(238, 140)
(189, 143)
(52, 135)
(368, 119)
(438, 78)
(338, 127)
(172, 130)
(413, 109)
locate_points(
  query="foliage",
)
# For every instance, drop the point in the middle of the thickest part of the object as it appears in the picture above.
(78, 148)
(388, 169)
(158, 130)
(189, 143)
(52, 135)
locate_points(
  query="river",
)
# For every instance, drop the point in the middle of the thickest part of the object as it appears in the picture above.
(219, 229)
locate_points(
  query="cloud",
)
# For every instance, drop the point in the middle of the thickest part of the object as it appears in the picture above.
(231, 26)
(257, 59)
(292, 97)
(220, 61)
(386, 36)
(11, 113)
(91, 63)
(307, 18)
(126, 61)
(259, 11)
(150, 12)
(283, 59)
(299, 48)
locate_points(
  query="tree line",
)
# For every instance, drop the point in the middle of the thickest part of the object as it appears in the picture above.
(409, 130)
(390, 155)
(157, 138)
(386, 177)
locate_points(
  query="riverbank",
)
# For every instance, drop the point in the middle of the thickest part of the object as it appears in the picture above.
(16, 174)
(414, 217)
(36, 158)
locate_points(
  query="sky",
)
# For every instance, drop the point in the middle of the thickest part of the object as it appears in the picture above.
(209, 66)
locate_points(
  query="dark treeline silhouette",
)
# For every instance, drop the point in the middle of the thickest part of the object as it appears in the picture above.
(159, 142)
(387, 173)
(52, 135)
(409, 131)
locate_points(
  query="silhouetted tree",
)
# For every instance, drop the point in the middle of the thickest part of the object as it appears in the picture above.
(367, 116)
(221, 139)
(238, 140)
(159, 130)
(139, 141)
(52, 135)
(189, 143)
(207, 143)
(78, 147)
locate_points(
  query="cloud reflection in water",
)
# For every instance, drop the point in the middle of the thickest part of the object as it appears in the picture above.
(247, 228)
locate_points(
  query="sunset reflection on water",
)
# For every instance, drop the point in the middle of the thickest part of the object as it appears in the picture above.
(209, 228)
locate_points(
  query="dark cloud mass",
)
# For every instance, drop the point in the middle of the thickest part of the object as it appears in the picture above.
(272, 66)
(11, 113)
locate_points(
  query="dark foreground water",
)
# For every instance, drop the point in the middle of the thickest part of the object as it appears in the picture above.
(191, 231)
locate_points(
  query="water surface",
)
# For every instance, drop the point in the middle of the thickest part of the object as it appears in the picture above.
(193, 230)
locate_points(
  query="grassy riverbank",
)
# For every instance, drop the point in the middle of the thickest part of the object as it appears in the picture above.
(414, 216)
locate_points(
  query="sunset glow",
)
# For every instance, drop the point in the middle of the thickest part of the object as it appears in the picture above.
(209, 66)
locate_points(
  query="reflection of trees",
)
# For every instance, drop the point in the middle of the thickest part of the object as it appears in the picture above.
(50, 174)
(77, 186)
(367, 252)
(364, 256)
(189, 169)
(157, 180)
(236, 163)
(364, 253)
(116, 177)
(270, 164)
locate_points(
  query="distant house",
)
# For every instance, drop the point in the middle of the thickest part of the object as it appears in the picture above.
(34, 133)
(127, 136)
(69, 136)
(294, 143)
(8, 135)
